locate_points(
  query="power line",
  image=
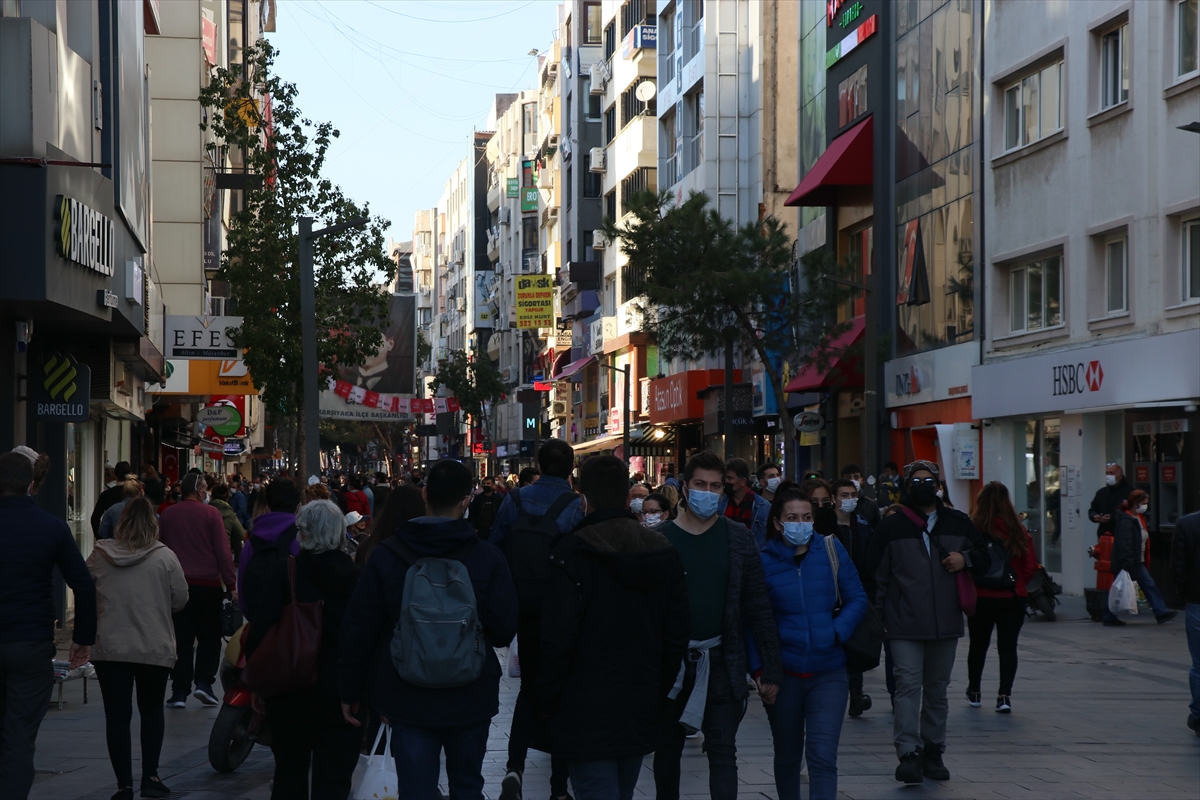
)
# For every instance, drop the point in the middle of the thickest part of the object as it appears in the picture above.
(454, 21)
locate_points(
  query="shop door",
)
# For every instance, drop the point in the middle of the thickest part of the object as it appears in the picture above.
(1038, 500)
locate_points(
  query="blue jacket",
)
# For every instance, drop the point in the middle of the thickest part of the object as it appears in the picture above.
(803, 599)
(237, 500)
(758, 524)
(535, 499)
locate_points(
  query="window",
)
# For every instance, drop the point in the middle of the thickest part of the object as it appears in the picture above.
(588, 253)
(696, 144)
(594, 18)
(610, 124)
(569, 186)
(610, 205)
(591, 180)
(1187, 37)
(1035, 295)
(852, 97)
(593, 104)
(668, 149)
(570, 119)
(1115, 276)
(642, 179)
(636, 12)
(1191, 260)
(1114, 67)
(610, 40)
(631, 107)
(1033, 107)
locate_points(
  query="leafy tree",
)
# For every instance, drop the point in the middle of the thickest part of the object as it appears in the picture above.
(707, 285)
(256, 120)
(473, 379)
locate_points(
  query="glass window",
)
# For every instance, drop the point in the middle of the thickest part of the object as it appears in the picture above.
(1114, 67)
(1114, 276)
(1012, 118)
(594, 18)
(1191, 259)
(1033, 107)
(1187, 37)
(1051, 107)
(1052, 282)
(1029, 109)
(1038, 501)
(1035, 295)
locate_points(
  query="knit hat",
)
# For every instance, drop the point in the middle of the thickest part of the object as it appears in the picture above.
(28, 452)
(909, 469)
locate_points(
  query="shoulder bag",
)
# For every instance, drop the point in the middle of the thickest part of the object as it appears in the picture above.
(965, 585)
(286, 658)
(862, 651)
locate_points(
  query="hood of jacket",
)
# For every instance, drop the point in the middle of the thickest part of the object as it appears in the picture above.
(635, 555)
(121, 556)
(435, 536)
(272, 525)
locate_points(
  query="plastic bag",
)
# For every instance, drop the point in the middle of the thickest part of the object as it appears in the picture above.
(1122, 597)
(375, 775)
(514, 660)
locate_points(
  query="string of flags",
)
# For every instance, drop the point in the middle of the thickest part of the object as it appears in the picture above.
(399, 404)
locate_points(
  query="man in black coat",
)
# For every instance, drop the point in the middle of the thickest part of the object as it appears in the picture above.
(1108, 499)
(484, 508)
(614, 633)
(1185, 569)
(110, 496)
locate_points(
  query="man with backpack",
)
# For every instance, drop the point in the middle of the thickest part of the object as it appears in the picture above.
(431, 604)
(528, 525)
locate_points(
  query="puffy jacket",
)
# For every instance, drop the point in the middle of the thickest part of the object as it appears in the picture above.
(136, 592)
(356, 500)
(803, 599)
(1185, 557)
(1127, 545)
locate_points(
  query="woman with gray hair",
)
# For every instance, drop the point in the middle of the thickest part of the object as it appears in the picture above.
(307, 726)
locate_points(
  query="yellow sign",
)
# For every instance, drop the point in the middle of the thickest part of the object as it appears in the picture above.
(535, 301)
(195, 377)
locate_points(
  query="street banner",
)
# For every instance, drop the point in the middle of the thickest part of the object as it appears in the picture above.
(535, 301)
(368, 392)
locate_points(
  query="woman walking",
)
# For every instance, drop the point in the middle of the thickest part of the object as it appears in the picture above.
(307, 725)
(804, 590)
(1131, 552)
(233, 527)
(999, 607)
(139, 583)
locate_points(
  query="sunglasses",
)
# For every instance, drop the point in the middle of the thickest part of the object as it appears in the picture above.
(926, 481)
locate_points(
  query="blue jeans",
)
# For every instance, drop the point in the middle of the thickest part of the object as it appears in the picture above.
(814, 706)
(418, 760)
(1150, 589)
(605, 780)
(1193, 638)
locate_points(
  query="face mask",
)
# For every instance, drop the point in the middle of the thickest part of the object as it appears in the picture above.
(1143, 508)
(923, 494)
(1110, 480)
(797, 533)
(857, 485)
(773, 484)
(940, 494)
(729, 490)
(635, 505)
(702, 504)
(205, 500)
(849, 505)
(652, 519)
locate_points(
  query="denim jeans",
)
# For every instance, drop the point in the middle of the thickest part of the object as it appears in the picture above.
(605, 780)
(26, 681)
(812, 707)
(418, 759)
(1193, 638)
(922, 678)
(1150, 589)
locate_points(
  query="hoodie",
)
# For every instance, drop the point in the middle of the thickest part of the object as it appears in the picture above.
(615, 629)
(136, 593)
(365, 668)
(276, 530)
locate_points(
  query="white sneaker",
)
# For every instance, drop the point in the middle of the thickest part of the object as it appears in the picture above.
(510, 787)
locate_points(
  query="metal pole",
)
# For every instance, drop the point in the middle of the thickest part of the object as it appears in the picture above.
(870, 417)
(308, 335)
(727, 424)
(625, 427)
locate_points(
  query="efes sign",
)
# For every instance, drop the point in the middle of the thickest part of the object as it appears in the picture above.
(60, 389)
(85, 236)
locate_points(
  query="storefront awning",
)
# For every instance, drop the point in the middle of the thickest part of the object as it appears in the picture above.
(610, 442)
(841, 369)
(848, 161)
(574, 368)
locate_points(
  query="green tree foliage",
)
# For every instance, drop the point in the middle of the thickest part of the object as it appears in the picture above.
(284, 153)
(706, 283)
(473, 379)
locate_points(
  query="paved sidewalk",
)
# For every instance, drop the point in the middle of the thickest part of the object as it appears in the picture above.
(1098, 713)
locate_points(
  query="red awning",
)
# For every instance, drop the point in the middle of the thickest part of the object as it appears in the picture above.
(841, 369)
(572, 369)
(848, 161)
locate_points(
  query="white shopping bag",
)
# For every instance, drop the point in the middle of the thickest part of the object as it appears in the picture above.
(375, 776)
(1122, 597)
(514, 661)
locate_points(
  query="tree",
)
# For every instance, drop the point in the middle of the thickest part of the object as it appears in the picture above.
(474, 380)
(707, 285)
(283, 153)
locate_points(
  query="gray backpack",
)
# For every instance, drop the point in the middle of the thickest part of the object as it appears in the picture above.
(438, 641)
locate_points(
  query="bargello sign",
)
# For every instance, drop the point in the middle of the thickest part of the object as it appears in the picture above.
(85, 236)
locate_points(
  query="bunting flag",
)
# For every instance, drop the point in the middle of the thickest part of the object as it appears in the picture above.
(452, 404)
(439, 405)
(342, 389)
(371, 399)
(359, 395)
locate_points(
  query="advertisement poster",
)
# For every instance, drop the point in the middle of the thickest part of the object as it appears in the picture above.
(535, 301)
(485, 310)
(390, 371)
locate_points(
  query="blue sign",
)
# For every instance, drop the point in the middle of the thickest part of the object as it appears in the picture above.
(640, 37)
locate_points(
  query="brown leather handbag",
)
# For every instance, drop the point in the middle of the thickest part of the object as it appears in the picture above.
(286, 658)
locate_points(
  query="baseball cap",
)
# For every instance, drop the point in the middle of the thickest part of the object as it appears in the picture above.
(353, 518)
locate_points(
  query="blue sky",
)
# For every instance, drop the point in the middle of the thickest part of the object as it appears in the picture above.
(406, 82)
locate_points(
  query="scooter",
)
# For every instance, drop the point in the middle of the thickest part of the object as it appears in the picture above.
(1043, 594)
(238, 726)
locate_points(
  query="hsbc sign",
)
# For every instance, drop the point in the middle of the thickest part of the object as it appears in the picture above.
(1077, 378)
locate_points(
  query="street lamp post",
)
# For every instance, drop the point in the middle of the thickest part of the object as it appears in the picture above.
(308, 336)
(625, 425)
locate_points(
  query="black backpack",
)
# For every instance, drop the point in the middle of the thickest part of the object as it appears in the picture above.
(1000, 574)
(528, 547)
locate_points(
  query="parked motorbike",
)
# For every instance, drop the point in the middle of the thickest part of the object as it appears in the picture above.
(1043, 594)
(238, 727)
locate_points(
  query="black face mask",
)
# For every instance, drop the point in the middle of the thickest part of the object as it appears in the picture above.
(923, 494)
(729, 490)
(824, 519)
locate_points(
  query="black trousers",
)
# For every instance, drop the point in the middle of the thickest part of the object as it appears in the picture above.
(197, 639)
(527, 719)
(117, 681)
(307, 730)
(1006, 615)
(26, 681)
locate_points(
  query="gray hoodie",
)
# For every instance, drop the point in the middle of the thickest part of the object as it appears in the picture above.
(136, 592)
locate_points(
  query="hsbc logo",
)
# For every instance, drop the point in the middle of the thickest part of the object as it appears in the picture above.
(1078, 378)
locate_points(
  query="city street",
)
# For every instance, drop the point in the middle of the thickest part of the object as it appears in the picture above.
(1098, 713)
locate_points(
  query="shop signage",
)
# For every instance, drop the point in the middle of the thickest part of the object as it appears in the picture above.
(591, 426)
(1169, 426)
(206, 378)
(85, 236)
(857, 36)
(513, 187)
(808, 422)
(927, 377)
(235, 447)
(106, 299)
(200, 337)
(232, 412)
(215, 416)
(529, 199)
(535, 302)
(1150, 371)
(639, 37)
(61, 389)
(675, 397)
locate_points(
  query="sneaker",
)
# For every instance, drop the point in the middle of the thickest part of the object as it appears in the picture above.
(909, 770)
(153, 787)
(1003, 704)
(510, 787)
(177, 701)
(1193, 724)
(1115, 623)
(125, 793)
(974, 699)
(931, 763)
(204, 693)
(1167, 617)
(860, 704)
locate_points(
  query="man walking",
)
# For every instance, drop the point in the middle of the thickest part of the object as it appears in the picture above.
(727, 593)
(1185, 568)
(110, 496)
(195, 532)
(428, 720)
(867, 509)
(919, 552)
(34, 543)
(608, 663)
(484, 508)
(534, 516)
(769, 478)
(854, 533)
(1109, 497)
(741, 504)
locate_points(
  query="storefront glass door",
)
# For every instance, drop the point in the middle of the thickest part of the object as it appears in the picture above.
(1038, 502)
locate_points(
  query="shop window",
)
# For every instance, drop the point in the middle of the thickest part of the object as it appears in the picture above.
(1033, 107)
(1035, 293)
(1116, 276)
(852, 97)
(1191, 260)
(1114, 67)
(1187, 37)
(1037, 496)
(859, 250)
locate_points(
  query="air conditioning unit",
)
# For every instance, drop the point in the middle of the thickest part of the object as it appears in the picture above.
(599, 242)
(600, 75)
(545, 179)
(552, 68)
(553, 212)
(597, 157)
(558, 410)
(554, 140)
(462, 304)
(505, 216)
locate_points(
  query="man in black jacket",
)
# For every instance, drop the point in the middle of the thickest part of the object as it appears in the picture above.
(34, 543)
(1185, 568)
(425, 721)
(614, 633)
(484, 508)
(1108, 499)
(110, 496)
(919, 553)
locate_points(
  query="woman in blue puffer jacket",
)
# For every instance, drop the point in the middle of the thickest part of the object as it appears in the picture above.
(812, 698)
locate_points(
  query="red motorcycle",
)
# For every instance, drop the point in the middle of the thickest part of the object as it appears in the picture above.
(238, 726)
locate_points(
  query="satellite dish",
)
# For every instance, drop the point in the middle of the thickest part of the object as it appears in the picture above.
(645, 91)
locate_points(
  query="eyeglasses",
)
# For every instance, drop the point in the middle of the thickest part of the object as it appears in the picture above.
(926, 481)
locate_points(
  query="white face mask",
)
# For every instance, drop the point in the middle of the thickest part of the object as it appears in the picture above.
(940, 494)
(635, 505)
(773, 484)
(848, 505)
(857, 485)
(1143, 508)
(651, 519)
(1110, 480)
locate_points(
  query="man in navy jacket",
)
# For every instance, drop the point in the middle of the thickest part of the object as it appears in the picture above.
(34, 543)
(426, 721)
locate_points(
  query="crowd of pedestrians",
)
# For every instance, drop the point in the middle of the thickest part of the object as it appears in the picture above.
(638, 615)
